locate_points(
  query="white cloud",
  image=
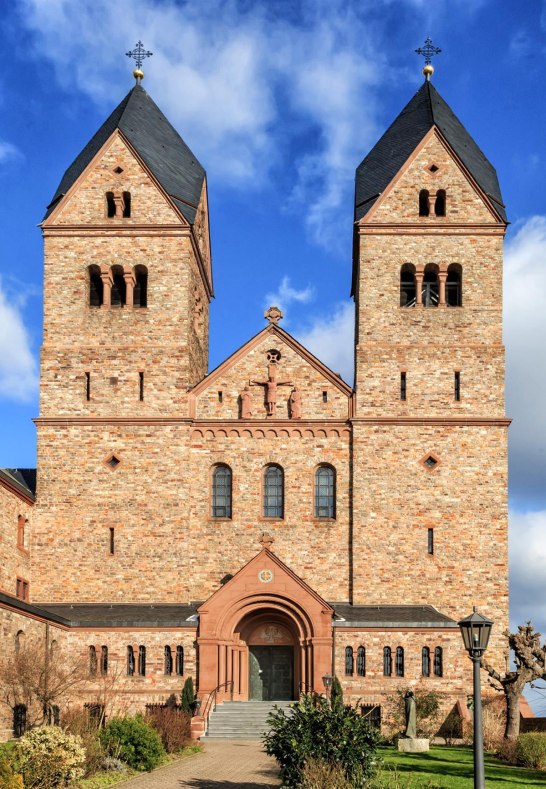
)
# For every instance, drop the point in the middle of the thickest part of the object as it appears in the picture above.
(525, 332)
(285, 295)
(528, 568)
(18, 374)
(331, 339)
(8, 151)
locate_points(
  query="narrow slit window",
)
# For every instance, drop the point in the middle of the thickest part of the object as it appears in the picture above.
(142, 661)
(403, 386)
(118, 293)
(221, 492)
(21, 531)
(349, 661)
(179, 661)
(438, 662)
(140, 290)
(130, 661)
(96, 288)
(430, 541)
(457, 386)
(407, 286)
(220, 397)
(104, 660)
(110, 205)
(324, 396)
(424, 202)
(141, 386)
(126, 204)
(325, 492)
(112, 541)
(88, 386)
(425, 662)
(387, 662)
(361, 661)
(92, 661)
(399, 667)
(168, 660)
(440, 203)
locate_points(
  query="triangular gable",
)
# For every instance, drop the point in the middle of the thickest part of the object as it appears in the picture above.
(265, 574)
(172, 215)
(434, 134)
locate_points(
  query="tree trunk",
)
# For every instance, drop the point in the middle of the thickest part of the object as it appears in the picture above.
(511, 731)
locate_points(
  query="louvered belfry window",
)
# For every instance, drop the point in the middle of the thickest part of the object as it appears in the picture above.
(221, 492)
(273, 492)
(325, 493)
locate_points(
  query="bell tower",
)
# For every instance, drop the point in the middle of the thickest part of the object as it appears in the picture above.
(430, 466)
(128, 282)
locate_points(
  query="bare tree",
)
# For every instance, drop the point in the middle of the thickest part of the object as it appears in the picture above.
(41, 678)
(530, 665)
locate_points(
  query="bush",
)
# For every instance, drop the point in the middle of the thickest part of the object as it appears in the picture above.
(8, 778)
(172, 725)
(427, 705)
(188, 696)
(531, 750)
(81, 723)
(312, 729)
(49, 757)
(132, 741)
(318, 774)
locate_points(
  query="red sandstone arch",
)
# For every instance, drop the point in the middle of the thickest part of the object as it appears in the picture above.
(264, 594)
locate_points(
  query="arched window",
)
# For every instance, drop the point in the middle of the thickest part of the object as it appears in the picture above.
(387, 662)
(438, 662)
(119, 289)
(19, 641)
(273, 492)
(424, 203)
(95, 286)
(142, 661)
(130, 661)
(168, 660)
(425, 662)
(110, 205)
(431, 291)
(440, 203)
(454, 285)
(104, 660)
(221, 492)
(179, 661)
(126, 204)
(361, 661)
(140, 292)
(92, 661)
(19, 720)
(349, 661)
(407, 285)
(325, 492)
(399, 668)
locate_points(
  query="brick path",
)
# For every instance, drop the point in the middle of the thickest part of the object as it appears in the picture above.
(224, 764)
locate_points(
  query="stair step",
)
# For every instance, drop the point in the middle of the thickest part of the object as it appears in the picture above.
(242, 719)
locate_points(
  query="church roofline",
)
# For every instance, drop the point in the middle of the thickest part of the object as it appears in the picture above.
(21, 482)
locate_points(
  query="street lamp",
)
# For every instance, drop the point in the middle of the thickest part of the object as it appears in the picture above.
(327, 680)
(475, 630)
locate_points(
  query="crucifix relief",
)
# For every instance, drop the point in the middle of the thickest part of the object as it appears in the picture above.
(272, 382)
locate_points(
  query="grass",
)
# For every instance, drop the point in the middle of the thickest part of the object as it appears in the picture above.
(451, 768)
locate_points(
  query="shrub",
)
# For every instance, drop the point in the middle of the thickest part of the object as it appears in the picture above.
(172, 725)
(8, 778)
(318, 774)
(494, 718)
(312, 729)
(85, 726)
(531, 750)
(188, 696)
(48, 757)
(336, 694)
(132, 741)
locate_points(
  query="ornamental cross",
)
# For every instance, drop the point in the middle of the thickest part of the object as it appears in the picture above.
(139, 53)
(272, 382)
(428, 51)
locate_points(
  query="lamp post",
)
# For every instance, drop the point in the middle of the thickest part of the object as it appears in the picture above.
(327, 680)
(475, 630)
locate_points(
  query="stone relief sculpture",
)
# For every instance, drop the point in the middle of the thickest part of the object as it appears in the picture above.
(272, 382)
(246, 403)
(295, 403)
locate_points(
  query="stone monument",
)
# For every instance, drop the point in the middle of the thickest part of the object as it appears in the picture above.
(410, 742)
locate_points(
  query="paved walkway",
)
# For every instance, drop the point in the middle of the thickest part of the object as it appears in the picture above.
(223, 764)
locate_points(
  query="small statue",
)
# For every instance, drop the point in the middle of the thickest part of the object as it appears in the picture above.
(411, 714)
(295, 403)
(246, 403)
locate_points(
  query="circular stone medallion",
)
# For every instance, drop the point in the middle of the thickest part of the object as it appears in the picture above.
(265, 576)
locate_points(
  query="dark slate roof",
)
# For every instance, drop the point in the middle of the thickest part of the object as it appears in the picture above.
(124, 615)
(426, 109)
(31, 609)
(379, 616)
(160, 146)
(22, 478)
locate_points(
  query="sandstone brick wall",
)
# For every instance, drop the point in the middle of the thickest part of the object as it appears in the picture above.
(14, 558)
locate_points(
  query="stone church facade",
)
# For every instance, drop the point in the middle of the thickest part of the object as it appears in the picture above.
(263, 525)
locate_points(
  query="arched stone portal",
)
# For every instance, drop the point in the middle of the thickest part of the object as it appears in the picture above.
(265, 619)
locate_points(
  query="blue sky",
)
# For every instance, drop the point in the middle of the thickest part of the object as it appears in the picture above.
(280, 101)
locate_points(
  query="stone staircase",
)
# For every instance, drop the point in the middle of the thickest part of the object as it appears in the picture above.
(241, 720)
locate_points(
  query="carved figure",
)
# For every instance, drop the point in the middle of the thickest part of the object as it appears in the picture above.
(272, 383)
(295, 403)
(246, 403)
(411, 714)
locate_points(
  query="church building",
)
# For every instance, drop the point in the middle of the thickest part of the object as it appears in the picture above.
(264, 525)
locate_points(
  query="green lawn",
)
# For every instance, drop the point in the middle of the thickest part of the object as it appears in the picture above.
(451, 768)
